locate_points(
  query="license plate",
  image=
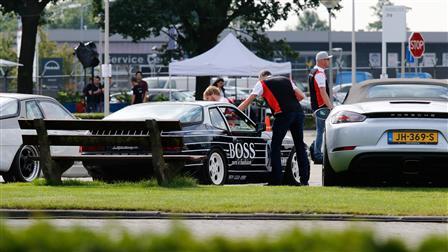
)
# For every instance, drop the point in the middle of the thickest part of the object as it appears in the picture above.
(412, 137)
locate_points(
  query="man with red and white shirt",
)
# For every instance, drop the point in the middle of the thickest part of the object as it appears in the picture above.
(319, 94)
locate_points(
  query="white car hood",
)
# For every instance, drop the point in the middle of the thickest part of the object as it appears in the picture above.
(395, 106)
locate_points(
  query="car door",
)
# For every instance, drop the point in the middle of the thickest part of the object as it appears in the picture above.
(54, 111)
(248, 148)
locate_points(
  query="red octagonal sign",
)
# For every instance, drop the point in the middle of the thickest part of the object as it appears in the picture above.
(416, 44)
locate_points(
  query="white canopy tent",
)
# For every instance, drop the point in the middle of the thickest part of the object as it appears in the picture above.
(7, 63)
(228, 58)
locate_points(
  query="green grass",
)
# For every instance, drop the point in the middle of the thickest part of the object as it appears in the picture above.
(186, 197)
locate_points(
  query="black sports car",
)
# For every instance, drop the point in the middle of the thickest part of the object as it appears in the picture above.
(237, 149)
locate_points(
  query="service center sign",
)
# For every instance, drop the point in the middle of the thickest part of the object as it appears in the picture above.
(416, 45)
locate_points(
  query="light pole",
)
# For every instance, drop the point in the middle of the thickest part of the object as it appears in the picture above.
(330, 4)
(106, 57)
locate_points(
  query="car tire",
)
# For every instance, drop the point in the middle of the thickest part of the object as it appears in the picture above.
(329, 176)
(292, 173)
(214, 170)
(23, 169)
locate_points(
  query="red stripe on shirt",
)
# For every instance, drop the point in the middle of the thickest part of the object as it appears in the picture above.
(320, 100)
(270, 98)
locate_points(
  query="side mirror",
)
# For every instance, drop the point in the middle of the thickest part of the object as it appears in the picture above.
(261, 127)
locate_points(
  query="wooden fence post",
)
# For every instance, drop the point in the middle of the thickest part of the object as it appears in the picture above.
(158, 162)
(50, 168)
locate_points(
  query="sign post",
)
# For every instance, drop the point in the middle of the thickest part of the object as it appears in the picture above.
(416, 47)
(394, 31)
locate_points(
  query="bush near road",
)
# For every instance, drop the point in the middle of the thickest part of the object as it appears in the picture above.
(186, 197)
(44, 237)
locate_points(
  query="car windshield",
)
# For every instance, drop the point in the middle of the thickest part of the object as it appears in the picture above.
(160, 83)
(185, 113)
(8, 107)
(407, 91)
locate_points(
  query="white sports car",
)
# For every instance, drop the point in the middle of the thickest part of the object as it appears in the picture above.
(15, 165)
(393, 130)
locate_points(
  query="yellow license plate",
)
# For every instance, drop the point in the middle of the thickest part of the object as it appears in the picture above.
(412, 137)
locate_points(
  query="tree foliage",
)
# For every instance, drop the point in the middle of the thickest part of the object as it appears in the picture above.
(310, 21)
(69, 13)
(378, 13)
(199, 22)
(30, 12)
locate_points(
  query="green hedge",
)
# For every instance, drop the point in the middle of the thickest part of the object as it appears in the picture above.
(44, 237)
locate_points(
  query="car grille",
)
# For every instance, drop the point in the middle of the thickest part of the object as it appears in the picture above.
(407, 115)
(119, 132)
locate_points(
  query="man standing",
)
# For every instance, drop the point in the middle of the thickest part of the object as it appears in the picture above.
(319, 92)
(137, 91)
(283, 98)
(93, 93)
(143, 84)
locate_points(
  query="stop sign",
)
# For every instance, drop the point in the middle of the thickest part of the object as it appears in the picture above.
(416, 44)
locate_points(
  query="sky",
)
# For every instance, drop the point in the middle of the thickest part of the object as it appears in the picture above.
(424, 16)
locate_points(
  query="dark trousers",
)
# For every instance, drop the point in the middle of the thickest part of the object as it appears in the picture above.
(283, 122)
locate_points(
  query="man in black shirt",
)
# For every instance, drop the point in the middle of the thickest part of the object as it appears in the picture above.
(93, 93)
(283, 98)
(137, 91)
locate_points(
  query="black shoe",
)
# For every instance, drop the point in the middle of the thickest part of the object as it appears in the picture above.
(312, 152)
(318, 161)
(304, 184)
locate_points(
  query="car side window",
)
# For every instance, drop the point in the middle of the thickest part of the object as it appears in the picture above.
(54, 111)
(32, 110)
(216, 119)
(236, 120)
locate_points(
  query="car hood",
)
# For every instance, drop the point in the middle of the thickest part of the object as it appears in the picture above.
(395, 106)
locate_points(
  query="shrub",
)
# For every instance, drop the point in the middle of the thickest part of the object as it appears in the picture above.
(89, 115)
(44, 237)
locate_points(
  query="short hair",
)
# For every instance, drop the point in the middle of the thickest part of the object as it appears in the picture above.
(264, 73)
(134, 79)
(97, 77)
(138, 72)
(212, 90)
(215, 83)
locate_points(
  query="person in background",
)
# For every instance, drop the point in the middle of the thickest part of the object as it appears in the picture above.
(219, 83)
(213, 93)
(143, 84)
(93, 92)
(97, 82)
(283, 97)
(137, 91)
(320, 98)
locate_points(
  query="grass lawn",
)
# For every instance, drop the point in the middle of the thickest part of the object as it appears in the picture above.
(225, 199)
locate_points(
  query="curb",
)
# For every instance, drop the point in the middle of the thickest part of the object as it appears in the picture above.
(101, 214)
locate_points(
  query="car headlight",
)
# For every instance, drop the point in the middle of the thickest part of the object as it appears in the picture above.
(347, 117)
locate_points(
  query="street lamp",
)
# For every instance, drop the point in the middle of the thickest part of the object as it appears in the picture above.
(330, 4)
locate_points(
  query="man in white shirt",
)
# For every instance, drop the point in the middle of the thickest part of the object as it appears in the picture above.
(319, 94)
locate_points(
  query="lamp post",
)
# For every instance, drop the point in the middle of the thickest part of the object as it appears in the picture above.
(330, 4)
(106, 57)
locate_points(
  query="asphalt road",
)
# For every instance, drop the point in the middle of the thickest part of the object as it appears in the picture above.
(411, 233)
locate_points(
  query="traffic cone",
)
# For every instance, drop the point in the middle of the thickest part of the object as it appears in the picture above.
(267, 122)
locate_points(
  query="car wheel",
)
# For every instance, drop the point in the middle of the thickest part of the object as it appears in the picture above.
(214, 170)
(23, 168)
(329, 176)
(292, 174)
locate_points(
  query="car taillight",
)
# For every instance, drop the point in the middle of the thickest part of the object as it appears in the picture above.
(90, 148)
(345, 148)
(347, 117)
(171, 148)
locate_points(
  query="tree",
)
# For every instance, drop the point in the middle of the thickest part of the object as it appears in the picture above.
(30, 12)
(199, 22)
(378, 12)
(310, 21)
(70, 14)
